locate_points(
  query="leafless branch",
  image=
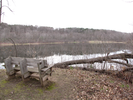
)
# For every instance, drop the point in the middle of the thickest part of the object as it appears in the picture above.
(13, 44)
(7, 2)
(7, 7)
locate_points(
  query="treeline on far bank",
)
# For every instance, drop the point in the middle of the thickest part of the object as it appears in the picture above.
(30, 34)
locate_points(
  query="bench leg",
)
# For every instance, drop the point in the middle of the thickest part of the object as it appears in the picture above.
(41, 81)
(50, 71)
(44, 80)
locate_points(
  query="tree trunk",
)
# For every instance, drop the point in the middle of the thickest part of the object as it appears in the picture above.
(0, 10)
(126, 74)
(98, 59)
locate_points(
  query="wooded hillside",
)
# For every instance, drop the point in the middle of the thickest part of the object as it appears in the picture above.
(23, 33)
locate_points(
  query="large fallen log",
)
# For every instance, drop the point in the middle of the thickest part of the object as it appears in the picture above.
(126, 73)
(93, 60)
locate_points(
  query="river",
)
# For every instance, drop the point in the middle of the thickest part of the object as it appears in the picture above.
(56, 58)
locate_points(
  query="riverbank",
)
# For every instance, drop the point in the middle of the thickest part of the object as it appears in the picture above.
(61, 42)
(66, 84)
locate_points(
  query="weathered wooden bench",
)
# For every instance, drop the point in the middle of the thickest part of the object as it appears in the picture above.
(28, 67)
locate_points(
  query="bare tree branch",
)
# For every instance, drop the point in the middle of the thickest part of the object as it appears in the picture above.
(2, 7)
(13, 44)
(7, 7)
(7, 2)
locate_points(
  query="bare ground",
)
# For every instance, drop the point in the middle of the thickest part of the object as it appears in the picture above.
(66, 84)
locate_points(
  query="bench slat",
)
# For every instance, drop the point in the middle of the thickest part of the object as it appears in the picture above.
(29, 69)
(16, 68)
(45, 69)
(15, 62)
(31, 60)
(35, 75)
(16, 59)
(33, 70)
(32, 64)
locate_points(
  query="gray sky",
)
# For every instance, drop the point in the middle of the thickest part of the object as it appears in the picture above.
(98, 14)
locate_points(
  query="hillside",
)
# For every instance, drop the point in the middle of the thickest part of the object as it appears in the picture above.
(23, 33)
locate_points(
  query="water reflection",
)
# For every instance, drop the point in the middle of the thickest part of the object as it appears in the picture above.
(61, 49)
(62, 58)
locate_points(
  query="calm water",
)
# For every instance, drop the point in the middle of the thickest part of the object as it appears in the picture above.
(62, 58)
(59, 49)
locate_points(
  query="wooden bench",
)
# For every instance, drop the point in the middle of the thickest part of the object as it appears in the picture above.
(28, 67)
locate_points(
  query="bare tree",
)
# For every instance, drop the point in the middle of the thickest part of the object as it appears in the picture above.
(1, 8)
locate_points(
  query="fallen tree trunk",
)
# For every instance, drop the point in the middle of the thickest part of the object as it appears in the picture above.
(128, 65)
(125, 74)
(93, 60)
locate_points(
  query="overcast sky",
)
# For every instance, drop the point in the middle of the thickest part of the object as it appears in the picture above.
(98, 14)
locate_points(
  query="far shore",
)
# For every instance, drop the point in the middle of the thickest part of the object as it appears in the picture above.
(69, 42)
